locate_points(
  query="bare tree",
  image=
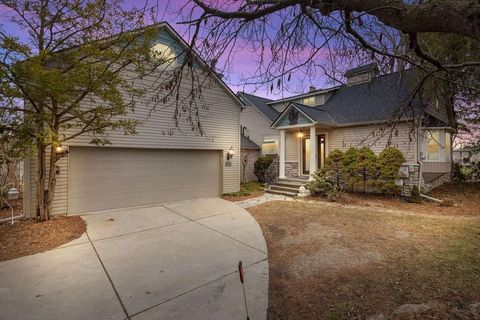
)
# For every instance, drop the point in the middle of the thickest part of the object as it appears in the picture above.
(66, 77)
(309, 39)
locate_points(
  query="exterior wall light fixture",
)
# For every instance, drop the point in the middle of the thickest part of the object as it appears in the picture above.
(60, 151)
(300, 134)
(230, 153)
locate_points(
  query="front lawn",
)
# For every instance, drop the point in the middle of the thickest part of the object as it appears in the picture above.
(247, 190)
(339, 262)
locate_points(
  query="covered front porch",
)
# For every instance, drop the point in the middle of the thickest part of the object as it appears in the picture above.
(299, 153)
(303, 143)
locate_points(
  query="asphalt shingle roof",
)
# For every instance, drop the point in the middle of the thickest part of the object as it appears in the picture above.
(246, 143)
(380, 99)
(377, 100)
(262, 106)
(318, 114)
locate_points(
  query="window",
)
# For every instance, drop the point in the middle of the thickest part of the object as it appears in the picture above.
(270, 147)
(310, 101)
(438, 146)
(163, 52)
(433, 145)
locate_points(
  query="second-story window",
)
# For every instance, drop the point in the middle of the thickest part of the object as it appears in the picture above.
(310, 101)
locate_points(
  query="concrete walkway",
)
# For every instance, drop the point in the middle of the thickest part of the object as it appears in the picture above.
(171, 261)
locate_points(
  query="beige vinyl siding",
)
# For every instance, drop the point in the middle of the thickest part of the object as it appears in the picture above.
(258, 126)
(291, 147)
(252, 157)
(221, 122)
(436, 167)
(344, 138)
(280, 106)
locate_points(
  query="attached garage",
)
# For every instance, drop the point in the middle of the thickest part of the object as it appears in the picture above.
(108, 178)
(167, 159)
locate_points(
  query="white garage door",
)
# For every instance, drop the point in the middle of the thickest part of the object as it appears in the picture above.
(107, 178)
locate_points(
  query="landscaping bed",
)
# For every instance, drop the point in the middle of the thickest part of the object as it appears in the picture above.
(465, 197)
(17, 206)
(248, 190)
(336, 262)
(28, 237)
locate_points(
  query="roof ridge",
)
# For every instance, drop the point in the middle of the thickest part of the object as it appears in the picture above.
(253, 95)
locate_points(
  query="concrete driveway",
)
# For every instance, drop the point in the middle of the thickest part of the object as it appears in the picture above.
(172, 261)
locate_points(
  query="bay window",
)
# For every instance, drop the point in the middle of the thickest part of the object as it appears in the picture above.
(433, 146)
(437, 145)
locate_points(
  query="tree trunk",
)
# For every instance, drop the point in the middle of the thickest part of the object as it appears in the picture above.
(40, 182)
(52, 180)
(45, 183)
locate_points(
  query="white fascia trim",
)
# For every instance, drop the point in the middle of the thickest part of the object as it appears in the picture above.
(203, 63)
(288, 108)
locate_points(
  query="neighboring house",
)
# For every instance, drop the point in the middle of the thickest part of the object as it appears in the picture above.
(465, 155)
(370, 110)
(151, 166)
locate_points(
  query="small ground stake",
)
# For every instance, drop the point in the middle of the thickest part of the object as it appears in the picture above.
(242, 280)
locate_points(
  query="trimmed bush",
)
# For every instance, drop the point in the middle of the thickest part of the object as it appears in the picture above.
(323, 185)
(366, 166)
(334, 164)
(260, 167)
(388, 163)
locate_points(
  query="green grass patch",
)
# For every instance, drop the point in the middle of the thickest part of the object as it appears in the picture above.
(246, 189)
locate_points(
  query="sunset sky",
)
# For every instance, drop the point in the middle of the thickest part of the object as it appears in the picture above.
(242, 65)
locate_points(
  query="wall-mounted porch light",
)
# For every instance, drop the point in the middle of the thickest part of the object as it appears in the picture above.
(300, 134)
(230, 153)
(60, 151)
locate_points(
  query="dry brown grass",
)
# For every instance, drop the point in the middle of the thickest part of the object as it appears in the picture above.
(29, 237)
(334, 262)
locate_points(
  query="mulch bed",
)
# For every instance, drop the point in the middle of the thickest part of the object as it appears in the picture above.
(28, 237)
(465, 197)
(17, 206)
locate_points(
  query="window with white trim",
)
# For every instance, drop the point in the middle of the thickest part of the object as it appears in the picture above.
(270, 147)
(437, 145)
(433, 146)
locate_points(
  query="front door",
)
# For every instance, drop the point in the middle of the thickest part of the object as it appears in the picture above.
(306, 153)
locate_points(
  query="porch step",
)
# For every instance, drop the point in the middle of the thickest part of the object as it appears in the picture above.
(283, 193)
(288, 184)
(278, 187)
(287, 187)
